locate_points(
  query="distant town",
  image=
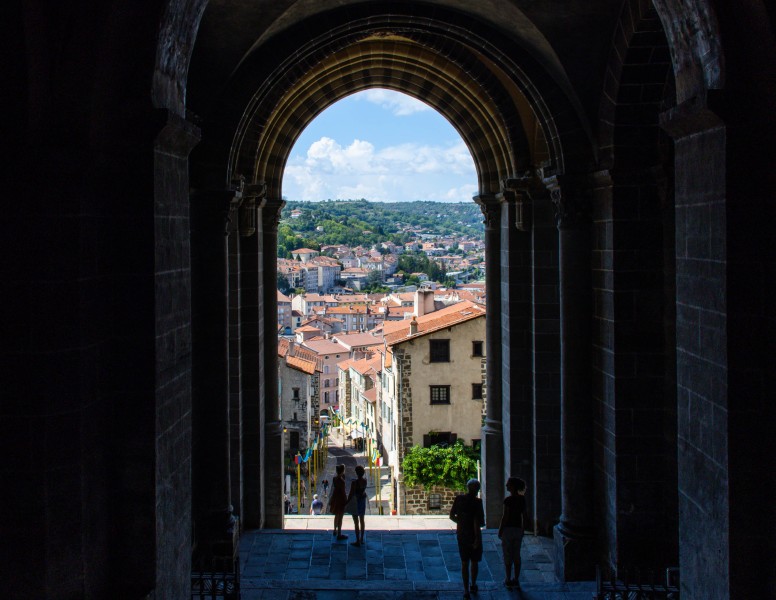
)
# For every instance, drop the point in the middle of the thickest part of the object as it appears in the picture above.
(388, 335)
(347, 247)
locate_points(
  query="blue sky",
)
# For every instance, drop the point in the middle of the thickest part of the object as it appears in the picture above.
(383, 146)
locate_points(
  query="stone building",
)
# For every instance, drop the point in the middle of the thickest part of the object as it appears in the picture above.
(299, 381)
(329, 353)
(626, 170)
(434, 383)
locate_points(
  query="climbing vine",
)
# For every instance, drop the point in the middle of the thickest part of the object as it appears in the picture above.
(445, 466)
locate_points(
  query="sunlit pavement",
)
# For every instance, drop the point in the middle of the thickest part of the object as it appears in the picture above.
(404, 557)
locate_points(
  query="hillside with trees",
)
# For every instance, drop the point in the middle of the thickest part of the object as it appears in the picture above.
(364, 223)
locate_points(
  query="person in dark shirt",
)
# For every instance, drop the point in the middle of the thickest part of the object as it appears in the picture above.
(469, 516)
(512, 527)
(358, 489)
(338, 500)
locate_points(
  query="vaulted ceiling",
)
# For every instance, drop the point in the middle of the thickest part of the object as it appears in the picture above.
(513, 77)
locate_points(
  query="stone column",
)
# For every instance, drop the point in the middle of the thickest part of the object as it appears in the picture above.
(492, 431)
(248, 364)
(210, 417)
(516, 382)
(574, 534)
(272, 466)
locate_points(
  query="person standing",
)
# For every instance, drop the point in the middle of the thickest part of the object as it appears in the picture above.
(358, 489)
(338, 500)
(512, 528)
(469, 516)
(287, 504)
(325, 484)
(316, 506)
(303, 493)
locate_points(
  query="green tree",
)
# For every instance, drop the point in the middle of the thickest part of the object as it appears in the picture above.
(283, 285)
(374, 278)
(445, 466)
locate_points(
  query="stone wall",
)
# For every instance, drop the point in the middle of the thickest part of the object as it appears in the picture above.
(416, 500)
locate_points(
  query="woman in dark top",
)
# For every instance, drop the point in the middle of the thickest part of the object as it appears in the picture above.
(510, 532)
(338, 501)
(358, 489)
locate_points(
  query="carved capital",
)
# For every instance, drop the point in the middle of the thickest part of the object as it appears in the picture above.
(270, 214)
(490, 205)
(571, 202)
(247, 198)
(517, 190)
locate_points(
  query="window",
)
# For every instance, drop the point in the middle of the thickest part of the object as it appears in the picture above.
(326, 383)
(476, 391)
(440, 394)
(326, 368)
(296, 393)
(439, 350)
(434, 501)
(439, 438)
(326, 397)
(477, 348)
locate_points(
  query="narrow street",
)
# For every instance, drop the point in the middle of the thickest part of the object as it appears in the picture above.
(341, 451)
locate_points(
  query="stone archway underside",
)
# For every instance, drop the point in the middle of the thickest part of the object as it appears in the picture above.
(502, 128)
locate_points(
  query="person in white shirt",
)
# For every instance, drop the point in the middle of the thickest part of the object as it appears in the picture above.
(316, 507)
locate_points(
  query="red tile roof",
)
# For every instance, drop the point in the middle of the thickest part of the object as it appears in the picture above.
(399, 331)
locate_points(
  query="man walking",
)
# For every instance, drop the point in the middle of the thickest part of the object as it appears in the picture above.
(316, 507)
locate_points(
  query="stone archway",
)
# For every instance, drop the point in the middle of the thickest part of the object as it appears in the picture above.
(505, 118)
(98, 382)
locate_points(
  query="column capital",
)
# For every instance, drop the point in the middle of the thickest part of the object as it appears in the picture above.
(490, 205)
(518, 190)
(571, 198)
(270, 213)
(248, 198)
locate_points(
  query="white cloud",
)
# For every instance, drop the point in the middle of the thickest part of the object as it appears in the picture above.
(400, 105)
(395, 173)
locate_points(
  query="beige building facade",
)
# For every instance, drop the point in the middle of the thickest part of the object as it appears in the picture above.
(434, 383)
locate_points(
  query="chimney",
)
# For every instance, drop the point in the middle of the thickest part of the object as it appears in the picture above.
(413, 326)
(424, 302)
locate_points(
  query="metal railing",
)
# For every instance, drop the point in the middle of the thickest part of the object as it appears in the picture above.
(633, 584)
(218, 578)
(215, 569)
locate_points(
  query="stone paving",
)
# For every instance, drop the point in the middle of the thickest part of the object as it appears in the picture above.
(404, 557)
